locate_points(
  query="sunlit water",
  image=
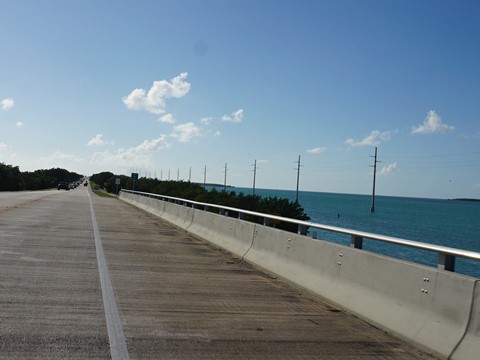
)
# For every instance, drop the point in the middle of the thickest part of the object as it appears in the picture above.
(443, 222)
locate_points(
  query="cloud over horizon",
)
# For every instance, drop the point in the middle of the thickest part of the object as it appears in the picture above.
(121, 159)
(7, 103)
(185, 132)
(388, 169)
(167, 118)
(97, 141)
(59, 159)
(375, 138)
(317, 150)
(236, 116)
(432, 125)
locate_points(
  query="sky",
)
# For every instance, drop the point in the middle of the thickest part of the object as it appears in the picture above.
(183, 90)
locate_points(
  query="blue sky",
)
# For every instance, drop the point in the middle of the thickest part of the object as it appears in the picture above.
(162, 87)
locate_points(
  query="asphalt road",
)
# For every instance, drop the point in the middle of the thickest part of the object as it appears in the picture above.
(88, 277)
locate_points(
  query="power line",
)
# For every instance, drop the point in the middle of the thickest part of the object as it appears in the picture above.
(416, 156)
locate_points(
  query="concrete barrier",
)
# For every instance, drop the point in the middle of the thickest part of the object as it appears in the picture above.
(468, 348)
(438, 310)
(231, 234)
(419, 303)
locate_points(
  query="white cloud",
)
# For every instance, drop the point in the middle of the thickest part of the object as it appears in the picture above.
(20, 124)
(432, 124)
(217, 133)
(154, 100)
(3, 146)
(375, 138)
(388, 169)
(121, 159)
(206, 120)
(58, 159)
(235, 117)
(152, 145)
(7, 103)
(97, 141)
(317, 150)
(185, 132)
(167, 118)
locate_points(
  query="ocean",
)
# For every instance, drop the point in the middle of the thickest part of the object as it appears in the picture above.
(451, 223)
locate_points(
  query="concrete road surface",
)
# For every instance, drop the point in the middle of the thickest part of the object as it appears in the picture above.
(88, 277)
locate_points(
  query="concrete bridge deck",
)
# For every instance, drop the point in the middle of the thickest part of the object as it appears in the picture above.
(177, 297)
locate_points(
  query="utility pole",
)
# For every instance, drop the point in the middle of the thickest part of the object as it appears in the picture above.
(168, 174)
(178, 174)
(254, 175)
(225, 181)
(205, 177)
(372, 209)
(298, 178)
(190, 174)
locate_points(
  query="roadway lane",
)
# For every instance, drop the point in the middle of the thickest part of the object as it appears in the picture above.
(177, 297)
(11, 199)
(50, 296)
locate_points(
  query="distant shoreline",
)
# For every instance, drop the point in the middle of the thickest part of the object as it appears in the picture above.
(215, 185)
(465, 199)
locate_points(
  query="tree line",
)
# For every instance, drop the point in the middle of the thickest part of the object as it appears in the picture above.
(12, 179)
(196, 192)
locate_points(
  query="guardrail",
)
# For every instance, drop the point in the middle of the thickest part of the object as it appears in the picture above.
(446, 255)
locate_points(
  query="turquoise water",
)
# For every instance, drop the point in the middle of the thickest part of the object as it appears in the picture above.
(443, 222)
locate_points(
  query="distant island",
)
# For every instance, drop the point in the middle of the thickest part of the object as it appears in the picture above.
(216, 185)
(465, 199)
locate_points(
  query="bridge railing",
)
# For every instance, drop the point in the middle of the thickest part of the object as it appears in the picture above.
(446, 255)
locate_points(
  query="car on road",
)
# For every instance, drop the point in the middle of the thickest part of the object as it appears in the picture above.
(63, 186)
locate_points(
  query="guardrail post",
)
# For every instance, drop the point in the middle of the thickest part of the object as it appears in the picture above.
(221, 212)
(302, 229)
(446, 262)
(241, 215)
(267, 221)
(356, 242)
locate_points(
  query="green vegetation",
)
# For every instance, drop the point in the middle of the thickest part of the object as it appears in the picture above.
(98, 191)
(196, 192)
(12, 179)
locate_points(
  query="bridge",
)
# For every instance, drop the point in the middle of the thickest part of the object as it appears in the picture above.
(88, 277)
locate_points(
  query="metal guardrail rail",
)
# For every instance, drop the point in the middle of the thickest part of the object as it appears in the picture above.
(446, 255)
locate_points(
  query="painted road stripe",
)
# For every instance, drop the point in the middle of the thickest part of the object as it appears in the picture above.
(118, 346)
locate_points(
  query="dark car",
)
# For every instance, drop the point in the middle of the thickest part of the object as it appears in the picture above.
(63, 185)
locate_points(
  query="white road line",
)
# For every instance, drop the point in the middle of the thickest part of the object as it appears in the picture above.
(118, 345)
